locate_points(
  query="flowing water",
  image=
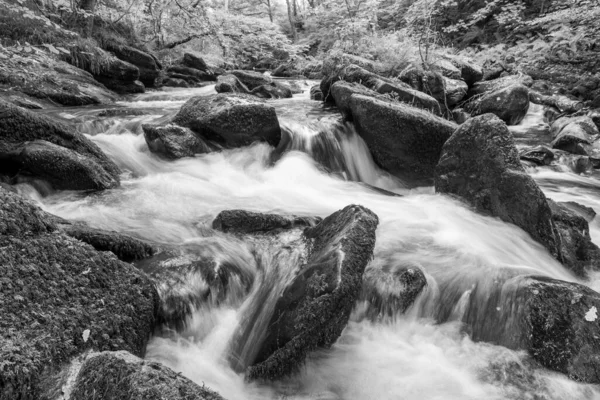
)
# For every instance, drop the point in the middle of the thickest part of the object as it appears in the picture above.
(320, 167)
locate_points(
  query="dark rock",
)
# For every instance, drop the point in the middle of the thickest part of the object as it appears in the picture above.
(587, 213)
(273, 90)
(402, 139)
(90, 300)
(231, 119)
(316, 306)
(456, 90)
(230, 84)
(510, 104)
(18, 126)
(173, 141)
(63, 168)
(391, 288)
(120, 76)
(497, 84)
(561, 103)
(315, 93)
(125, 247)
(192, 72)
(595, 117)
(459, 115)
(447, 69)
(241, 221)
(406, 94)
(541, 155)
(342, 92)
(123, 87)
(148, 66)
(121, 375)
(429, 82)
(251, 79)
(193, 61)
(175, 82)
(480, 164)
(572, 134)
(470, 72)
(121, 112)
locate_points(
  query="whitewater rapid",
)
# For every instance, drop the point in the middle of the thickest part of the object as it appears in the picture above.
(173, 203)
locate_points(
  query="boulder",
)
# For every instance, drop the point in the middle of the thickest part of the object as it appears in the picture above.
(470, 72)
(173, 141)
(510, 104)
(122, 87)
(429, 82)
(447, 69)
(573, 134)
(121, 375)
(241, 221)
(391, 288)
(315, 93)
(230, 119)
(315, 307)
(63, 168)
(192, 72)
(273, 90)
(148, 66)
(176, 82)
(230, 84)
(194, 61)
(120, 76)
(342, 92)
(480, 164)
(484, 87)
(126, 248)
(18, 126)
(90, 300)
(402, 139)
(456, 91)
(540, 155)
(252, 79)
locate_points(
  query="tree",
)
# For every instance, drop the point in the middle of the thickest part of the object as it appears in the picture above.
(292, 21)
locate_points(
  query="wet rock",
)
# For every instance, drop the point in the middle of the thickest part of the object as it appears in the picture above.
(480, 164)
(63, 168)
(402, 139)
(573, 134)
(540, 155)
(576, 248)
(230, 84)
(148, 66)
(175, 82)
(241, 221)
(18, 126)
(510, 104)
(173, 141)
(391, 288)
(316, 305)
(315, 93)
(230, 119)
(456, 91)
(90, 300)
(429, 82)
(120, 375)
(194, 61)
(126, 248)
(121, 77)
(273, 90)
(587, 213)
(251, 79)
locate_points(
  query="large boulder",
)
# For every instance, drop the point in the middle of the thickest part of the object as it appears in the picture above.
(574, 134)
(501, 83)
(90, 300)
(456, 91)
(470, 72)
(230, 119)
(273, 90)
(55, 151)
(241, 221)
(480, 164)
(121, 375)
(252, 79)
(173, 141)
(194, 61)
(342, 92)
(429, 82)
(510, 104)
(120, 76)
(148, 66)
(402, 139)
(315, 307)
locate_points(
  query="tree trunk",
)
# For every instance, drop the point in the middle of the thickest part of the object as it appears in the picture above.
(88, 5)
(226, 6)
(292, 21)
(270, 10)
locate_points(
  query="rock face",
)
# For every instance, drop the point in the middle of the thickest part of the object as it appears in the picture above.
(480, 164)
(57, 147)
(173, 141)
(121, 375)
(510, 104)
(230, 119)
(90, 300)
(402, 139)
(315, 307)
(241, 221)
